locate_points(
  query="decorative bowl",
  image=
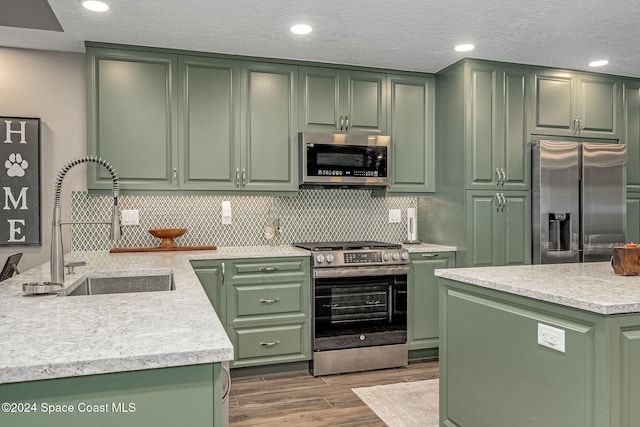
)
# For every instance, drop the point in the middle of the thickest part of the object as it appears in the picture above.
(167, 235)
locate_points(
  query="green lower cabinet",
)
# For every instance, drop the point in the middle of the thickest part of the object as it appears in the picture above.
(264, 305)
(186, 395)
(422, 316)
(493, 372)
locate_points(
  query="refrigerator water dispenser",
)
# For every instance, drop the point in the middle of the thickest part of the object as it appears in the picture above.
(559, 232)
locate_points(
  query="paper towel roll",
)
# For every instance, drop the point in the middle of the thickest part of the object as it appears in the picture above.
(412, 226)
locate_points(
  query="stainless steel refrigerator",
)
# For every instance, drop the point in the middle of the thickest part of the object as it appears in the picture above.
(579, 201)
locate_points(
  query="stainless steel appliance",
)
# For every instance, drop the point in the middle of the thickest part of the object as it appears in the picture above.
(359, 306)
(578, 201)
(341, 160)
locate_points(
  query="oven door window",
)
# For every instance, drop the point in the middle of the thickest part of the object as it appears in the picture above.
(346, 306)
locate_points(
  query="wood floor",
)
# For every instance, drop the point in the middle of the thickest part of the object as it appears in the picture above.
(304, 400)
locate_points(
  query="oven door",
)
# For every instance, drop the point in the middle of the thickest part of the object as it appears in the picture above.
(359, 311)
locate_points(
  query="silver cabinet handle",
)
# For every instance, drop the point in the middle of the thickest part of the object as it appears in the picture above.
(580, 124)
(225, 370)
(223, 273)
(430, 255)
(341, 127)
(269, 301)
(346, 126)
(503, 203)
(504, 177)
(499, 202)
(269, 343)
(244, 177)
(237, 177)
(498, 177)
(268, 268)
(174, 179)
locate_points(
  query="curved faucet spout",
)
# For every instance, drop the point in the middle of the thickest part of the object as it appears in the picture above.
(57, 263)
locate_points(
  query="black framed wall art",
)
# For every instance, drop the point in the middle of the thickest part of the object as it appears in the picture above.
(20, 181)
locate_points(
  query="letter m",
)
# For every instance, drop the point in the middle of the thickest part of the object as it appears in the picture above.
(8, 197)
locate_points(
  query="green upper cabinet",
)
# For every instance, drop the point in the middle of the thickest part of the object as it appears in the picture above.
(499, 228)
(496, 127)
(631, 129)
(209, 123)
(268, 156)
(576, 104)
(336, 100)
(168, 121)
(411, 123)
(132, 118)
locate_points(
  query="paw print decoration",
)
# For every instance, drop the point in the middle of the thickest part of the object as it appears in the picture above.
(16, 165)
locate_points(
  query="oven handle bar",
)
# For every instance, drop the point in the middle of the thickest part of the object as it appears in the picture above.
(360, 271)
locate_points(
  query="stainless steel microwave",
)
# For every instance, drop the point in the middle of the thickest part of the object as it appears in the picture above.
(345, 160)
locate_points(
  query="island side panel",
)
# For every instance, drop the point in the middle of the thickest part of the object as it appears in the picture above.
(160, 397)
(494, 373)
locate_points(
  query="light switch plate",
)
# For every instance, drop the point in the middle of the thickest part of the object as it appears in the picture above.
(130, 217)
(551, 337)
(395, 216)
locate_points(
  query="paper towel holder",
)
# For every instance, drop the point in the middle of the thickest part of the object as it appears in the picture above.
(412, 232)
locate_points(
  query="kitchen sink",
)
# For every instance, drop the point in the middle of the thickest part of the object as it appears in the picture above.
(117, 282)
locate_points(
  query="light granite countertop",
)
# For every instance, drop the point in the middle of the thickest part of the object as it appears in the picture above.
(590, 286)
(52, 336)
(428, 247)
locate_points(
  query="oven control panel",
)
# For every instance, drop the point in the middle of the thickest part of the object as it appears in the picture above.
(360, 257)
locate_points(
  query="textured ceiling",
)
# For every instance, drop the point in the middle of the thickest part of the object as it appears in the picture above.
(416, 35)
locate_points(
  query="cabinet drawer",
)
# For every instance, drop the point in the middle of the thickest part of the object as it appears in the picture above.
(267, 267)
(276, 343)
(273, 299)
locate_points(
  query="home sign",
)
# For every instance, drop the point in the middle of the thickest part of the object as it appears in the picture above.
(20, 181)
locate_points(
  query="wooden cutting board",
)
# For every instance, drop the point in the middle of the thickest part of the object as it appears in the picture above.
(164, 249)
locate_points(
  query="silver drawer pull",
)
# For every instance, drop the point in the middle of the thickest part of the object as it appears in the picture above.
(269, 301)
(268, 268)
(430, 255)
(270, 343)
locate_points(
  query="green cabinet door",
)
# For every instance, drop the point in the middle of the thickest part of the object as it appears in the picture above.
(422, 315)
(269, 128)
(132, 118)
(633, 216)
(337, 100)
(631, 130)
(576, 104)
(211, 276)
(497, 129)
(411, 115)
(498, 228)
(209, 122)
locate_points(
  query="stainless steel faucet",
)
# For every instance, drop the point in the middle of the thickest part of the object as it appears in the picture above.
(57, 264)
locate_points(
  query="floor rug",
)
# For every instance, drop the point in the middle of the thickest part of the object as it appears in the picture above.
(408, 404)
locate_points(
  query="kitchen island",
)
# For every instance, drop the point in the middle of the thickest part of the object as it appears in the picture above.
(539, 345)
(151, 358)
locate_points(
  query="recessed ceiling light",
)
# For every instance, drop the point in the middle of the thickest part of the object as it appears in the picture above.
(598, 63)
(301, 29)
(95, 6)
(464, 47)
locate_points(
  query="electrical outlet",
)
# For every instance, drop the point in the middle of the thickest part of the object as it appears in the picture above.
(130, 217)
(395, 216)
(551, 337)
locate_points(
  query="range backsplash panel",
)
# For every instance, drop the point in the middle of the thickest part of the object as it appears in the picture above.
(314, 215)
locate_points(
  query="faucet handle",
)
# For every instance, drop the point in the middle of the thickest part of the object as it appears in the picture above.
(72, 264)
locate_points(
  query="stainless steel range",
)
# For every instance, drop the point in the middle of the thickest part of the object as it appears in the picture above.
(359, 305)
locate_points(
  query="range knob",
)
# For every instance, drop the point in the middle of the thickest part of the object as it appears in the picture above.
(319, 258)
(330, 258)
(385, 256)
(404, 256)
(395, 256)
